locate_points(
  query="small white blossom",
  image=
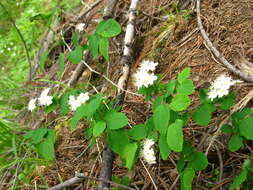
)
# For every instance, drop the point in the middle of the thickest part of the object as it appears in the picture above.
(80, 27)
(32, 104)
(148, 66)
(144, 79)
(44, 99)
(76, 102)
(148, 152)
(220, 87)
(83, 97)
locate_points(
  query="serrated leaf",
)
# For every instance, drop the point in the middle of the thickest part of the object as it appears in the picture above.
(175, 137)
(76, 55)
(239, 179)
(203, 114)
(164, 147)
(226, 129)
(170, 87)
(99, 128)
(186, 87)
(246, 128)
(183, 75)
(109, 28)
(94, 45)
(46, 150)
(161, 118)
(187, 178)
(103, 47)
(235, 143)
(198, 161)
(129, 154)
(117, 139)
(115, 120)
(138, 132)
(180, 102)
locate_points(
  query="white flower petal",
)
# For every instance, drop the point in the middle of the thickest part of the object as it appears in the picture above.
(32, 104)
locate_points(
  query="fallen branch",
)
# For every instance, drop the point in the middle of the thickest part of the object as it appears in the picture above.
(107, 164)
(80, 177)
(216, 53)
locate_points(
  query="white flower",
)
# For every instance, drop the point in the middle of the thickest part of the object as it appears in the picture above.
(32, 104)
(80, 27)
(44, 99)
(144, 79)
(148, 66)
(148, 152)
(76, 102)
(82, 98)
(220, 87)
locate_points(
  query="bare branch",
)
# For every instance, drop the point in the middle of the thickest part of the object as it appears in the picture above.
(216, 53)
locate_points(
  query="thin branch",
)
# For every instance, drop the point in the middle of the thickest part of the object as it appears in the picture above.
(79, 177)
(216, 53)
(151, 178)
(22, 39)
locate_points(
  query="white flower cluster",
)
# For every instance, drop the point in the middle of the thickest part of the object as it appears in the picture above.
(80, 27)
(220, 87)
(145, 75)
(148, 152)
(43, 100)
(75, 102)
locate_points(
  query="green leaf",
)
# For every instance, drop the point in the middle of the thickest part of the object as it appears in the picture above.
(187, 178)
(130, 151)
(64, 107)
(138, 132)
(242, 114)
(239, 179)
(117, 140)
(115, 120)
(94, 45)
(164, 147)
(38, 135)
(198, 161)
(183, 75)
(103, 47)
(109, 28)
(186, 87)
(43, 59)
(235, 143)
(99, 128)
(170, 87)
(228, 101)
(61, 63)
(157, 102)
(75, 39)
(203, 114)
(226, 128)
(89, 131)
(76, 55)
(175, 137)
(246, 128)
(161, 118)
(51, 136)
(46, 150)
(180, 102)
(87, 110)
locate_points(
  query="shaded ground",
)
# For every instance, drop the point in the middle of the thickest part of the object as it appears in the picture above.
(170, 37)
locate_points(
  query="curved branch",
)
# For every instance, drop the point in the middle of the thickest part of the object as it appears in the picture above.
(216, 53)
(22, 39)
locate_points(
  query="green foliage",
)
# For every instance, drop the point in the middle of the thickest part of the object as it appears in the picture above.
(175, 137)
(99, 128)
(115, 120)
(162, 111)
(203, 114)
(180, 102)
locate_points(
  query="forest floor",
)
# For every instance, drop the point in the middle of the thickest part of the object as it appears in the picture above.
(166, 32)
